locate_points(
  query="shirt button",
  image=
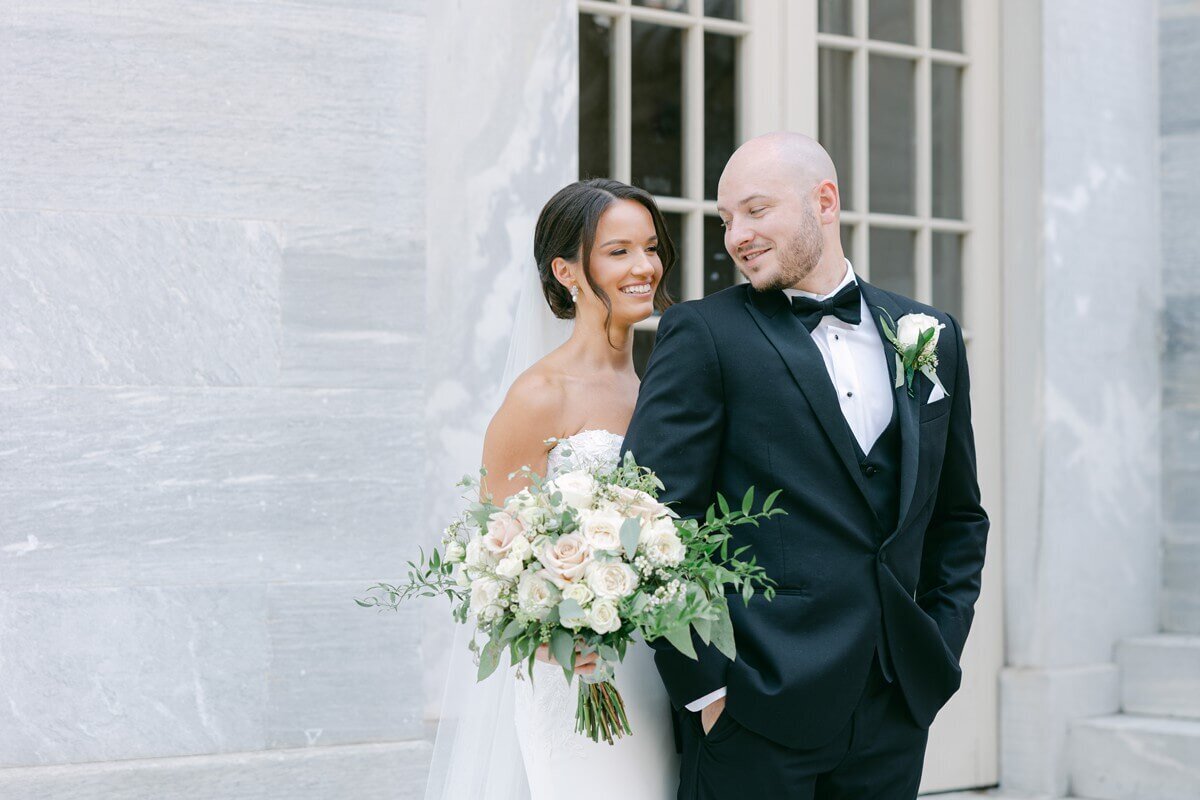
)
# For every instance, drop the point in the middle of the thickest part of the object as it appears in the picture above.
(849, 394)
(837, 337)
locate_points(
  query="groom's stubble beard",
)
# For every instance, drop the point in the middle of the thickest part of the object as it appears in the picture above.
(799, 256)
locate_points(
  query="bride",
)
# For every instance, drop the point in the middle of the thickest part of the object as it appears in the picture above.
(602, 250)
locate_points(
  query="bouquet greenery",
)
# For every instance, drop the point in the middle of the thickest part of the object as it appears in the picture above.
(582, 563)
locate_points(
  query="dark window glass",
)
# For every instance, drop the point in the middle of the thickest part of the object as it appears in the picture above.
(719, 271)
(947, 125)
(663, 5)
(720, 107)
(836, 16)
(836, 118)
(643, 345)
(657, 124)
(724, 9)
(892, 21)
(947, 274)
(892, 135)
(595, 96)
(892, 257)
(947, 31)
(848, 242)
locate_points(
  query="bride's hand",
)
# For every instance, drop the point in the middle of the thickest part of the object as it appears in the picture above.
(584, 664)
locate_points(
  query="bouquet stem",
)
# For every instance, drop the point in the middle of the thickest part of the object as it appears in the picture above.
(600, 713)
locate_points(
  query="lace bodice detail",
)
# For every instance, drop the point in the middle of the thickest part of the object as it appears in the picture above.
(590, 450)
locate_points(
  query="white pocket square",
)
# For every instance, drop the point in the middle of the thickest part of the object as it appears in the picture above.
(935, 395)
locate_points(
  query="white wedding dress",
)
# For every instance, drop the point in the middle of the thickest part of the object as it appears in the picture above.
(560, 763)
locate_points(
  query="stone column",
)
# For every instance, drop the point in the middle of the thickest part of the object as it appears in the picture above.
(1082, 374)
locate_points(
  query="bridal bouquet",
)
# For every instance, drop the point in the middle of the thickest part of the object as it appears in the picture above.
(582, 563)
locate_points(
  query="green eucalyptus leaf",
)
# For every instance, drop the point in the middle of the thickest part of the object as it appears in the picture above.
(771, 498)
(722, 633)
(489, 659)
(748, 501)
(631, 529)
(681, 638)
(562, 647)
(703, 629)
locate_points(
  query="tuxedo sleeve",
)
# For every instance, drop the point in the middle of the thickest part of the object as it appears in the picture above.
(676, 431)
(956, 539)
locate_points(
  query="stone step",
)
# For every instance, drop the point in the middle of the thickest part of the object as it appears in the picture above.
(1181, 585)
(1160, 675)
(1125, 757)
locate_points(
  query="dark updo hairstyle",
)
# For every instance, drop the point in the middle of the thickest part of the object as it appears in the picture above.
(566, 229)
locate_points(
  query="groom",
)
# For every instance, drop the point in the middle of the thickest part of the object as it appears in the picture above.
(790, 383)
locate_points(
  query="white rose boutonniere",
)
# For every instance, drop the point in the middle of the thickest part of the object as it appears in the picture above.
(915, 338)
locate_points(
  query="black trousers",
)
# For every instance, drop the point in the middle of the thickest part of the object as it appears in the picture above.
(878, 754)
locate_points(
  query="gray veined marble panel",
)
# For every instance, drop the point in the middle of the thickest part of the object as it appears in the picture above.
(99, 299)
(105, 674)
(1180, 159)
(353, 306)
(364, 772)
(340, 673)
(264, 110)
(193, 486)
(1179, 64)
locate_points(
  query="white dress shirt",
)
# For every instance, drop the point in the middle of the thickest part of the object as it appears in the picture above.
(856, 361)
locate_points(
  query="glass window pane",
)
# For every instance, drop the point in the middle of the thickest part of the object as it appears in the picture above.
(947, 25)
(595, 96)
(947, 141)
(836, 116)
(892, 135)
(848, 244)
(643, 345)
(892, 21)
(675, 276)
(947, 273)
(720, 107)
(835, 16)
(892, 255)
(719, 271)
(657, 128)
(664, 5)
(724, 9)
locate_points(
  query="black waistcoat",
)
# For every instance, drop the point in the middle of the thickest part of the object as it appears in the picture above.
(881, 473)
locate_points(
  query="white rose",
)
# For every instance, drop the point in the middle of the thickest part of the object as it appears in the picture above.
(521, 500)
(533, 517)
(612, 580)
(567, 559)
(578, 489)
(520, 548)
(603, 617)
(535, 595)
(662, 544)
(476, 556)
(484, 592)
(601, 529)
(509, 567)
(489, 613)
(910, 327)
(634, 502)
(461, 577)
(455, 552)
(578, 592)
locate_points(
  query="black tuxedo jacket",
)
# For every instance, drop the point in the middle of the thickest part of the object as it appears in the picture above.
(736, 395)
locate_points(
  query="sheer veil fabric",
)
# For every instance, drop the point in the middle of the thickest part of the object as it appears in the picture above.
(476, 753)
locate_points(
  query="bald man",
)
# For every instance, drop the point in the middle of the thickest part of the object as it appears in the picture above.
(789, 381)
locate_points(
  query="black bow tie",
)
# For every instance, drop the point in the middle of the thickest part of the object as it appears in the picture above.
(846, 305)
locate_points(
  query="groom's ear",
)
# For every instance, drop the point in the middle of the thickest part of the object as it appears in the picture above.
(829, 201)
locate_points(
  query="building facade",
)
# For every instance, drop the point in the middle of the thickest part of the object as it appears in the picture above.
(258, 264)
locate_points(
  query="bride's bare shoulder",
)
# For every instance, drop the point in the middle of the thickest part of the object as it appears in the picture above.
(534, 403)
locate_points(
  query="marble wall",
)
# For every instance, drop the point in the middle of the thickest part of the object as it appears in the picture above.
(212, 387)
(1179, 64)
(1083, 416)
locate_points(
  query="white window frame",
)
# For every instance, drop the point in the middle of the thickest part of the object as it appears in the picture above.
(757, 54)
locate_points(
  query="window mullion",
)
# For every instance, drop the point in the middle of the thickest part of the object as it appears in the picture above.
(693, 161)
(621, 135)
(924, 137)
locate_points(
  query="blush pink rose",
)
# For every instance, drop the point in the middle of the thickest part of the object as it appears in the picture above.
(501, 530)
(566, 560)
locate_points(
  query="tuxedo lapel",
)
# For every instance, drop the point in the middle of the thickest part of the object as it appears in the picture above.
(772, 313)
(907, 408)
